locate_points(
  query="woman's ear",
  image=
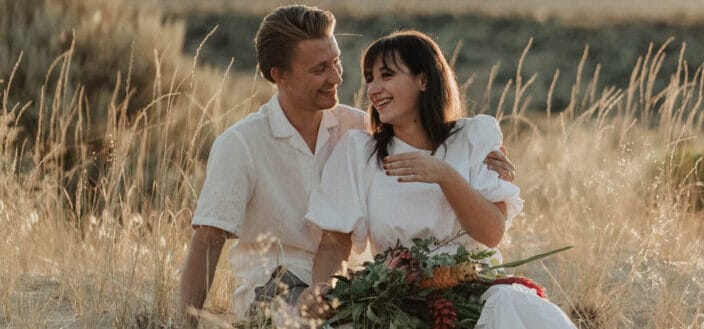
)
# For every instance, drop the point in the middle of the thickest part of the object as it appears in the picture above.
(422, 81)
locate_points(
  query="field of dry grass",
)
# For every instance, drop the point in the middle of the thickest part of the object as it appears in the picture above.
(96, 199)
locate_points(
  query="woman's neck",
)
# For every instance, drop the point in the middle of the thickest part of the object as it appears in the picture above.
(413, 135)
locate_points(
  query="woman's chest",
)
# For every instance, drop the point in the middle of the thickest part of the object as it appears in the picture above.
(404, 211)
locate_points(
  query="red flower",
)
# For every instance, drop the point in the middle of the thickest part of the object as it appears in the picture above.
(398, 259)
(443, 313)
(539, 290)
(403, 260)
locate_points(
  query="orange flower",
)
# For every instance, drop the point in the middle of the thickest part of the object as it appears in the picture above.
(443, 278)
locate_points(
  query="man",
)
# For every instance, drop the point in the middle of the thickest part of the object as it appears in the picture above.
(262, 170)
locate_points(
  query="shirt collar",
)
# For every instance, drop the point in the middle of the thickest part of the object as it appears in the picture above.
(280, 126)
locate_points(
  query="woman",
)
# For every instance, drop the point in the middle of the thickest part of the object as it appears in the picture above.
(419, 172)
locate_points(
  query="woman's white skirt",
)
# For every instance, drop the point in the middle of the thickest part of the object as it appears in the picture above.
(518, 307)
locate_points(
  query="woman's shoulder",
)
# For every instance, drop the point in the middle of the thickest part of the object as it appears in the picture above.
(481, 129)
(479, 121)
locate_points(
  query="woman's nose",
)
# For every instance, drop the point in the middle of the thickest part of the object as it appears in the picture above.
(373, 89)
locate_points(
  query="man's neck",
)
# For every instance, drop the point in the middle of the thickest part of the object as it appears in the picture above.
(305, 122)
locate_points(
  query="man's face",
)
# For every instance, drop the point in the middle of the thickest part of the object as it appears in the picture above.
(310, 83)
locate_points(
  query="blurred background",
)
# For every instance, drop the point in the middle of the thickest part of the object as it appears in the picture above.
(477, 35)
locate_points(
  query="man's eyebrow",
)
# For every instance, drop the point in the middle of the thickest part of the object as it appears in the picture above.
(319, 65)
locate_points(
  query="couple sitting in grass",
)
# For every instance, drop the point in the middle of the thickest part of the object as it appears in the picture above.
(305, 180)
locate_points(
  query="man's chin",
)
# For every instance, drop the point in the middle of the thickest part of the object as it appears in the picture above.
(328, 104)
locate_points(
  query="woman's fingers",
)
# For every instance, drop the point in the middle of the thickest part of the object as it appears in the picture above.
(413, 167)
(400, 164)
(402, 156)
(402, 172)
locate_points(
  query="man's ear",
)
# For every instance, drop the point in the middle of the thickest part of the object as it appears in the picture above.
(277, 74)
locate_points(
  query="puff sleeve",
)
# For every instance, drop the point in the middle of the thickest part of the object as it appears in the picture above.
(484, 135)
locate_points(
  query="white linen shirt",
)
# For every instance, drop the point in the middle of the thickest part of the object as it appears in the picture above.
(357, 196)
(259, 177)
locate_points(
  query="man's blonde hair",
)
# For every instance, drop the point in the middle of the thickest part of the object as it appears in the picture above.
(281, 31)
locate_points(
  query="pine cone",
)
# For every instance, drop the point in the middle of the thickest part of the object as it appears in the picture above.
(442, 313)
(443, 278)
(466, 272)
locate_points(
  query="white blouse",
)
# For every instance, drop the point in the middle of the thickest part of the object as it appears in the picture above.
(356, 196)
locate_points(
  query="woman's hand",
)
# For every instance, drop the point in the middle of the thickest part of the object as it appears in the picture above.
(416, 167)
(420, 167)
(312, 302)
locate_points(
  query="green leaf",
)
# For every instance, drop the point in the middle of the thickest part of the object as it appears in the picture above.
(359, 288)
(527, 260)
(373, 317)
(357, 310)
(481, 254)
(340, 316)
(462, 255)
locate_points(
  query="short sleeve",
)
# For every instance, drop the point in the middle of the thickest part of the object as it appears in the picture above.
(484, 135)
(228, 184)
(339, 203)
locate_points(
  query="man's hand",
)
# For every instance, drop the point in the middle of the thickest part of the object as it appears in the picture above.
(499, 162)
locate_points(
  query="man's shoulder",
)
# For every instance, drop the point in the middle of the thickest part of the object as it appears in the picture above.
(358, 134)
(357, 141)
(254, 123)
(349, 116)
(342, 108)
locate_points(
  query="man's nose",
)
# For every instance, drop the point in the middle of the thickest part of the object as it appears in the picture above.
(336, 76)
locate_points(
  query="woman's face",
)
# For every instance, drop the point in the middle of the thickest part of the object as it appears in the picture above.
(393, 90)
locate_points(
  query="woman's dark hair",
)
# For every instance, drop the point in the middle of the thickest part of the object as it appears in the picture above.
(440, 103)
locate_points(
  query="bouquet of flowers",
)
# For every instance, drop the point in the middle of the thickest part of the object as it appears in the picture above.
(418, 288)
